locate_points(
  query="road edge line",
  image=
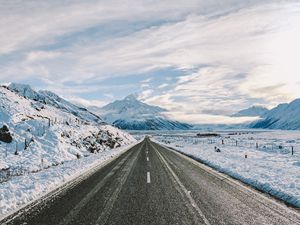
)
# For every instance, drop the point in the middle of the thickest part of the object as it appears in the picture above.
(244, 187)
(186, 192)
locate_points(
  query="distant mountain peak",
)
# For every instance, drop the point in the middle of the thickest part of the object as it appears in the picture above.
(296, 102)
(253, 111)
(284, 116)
(24, 90)
(131, 113)
(19, 86)
(130, 107)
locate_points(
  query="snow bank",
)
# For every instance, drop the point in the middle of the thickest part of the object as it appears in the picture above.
(22, 190)
(269, 166)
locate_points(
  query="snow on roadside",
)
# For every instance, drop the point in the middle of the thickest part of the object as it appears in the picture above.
(22, 190)
(270, 167)
(46, 141)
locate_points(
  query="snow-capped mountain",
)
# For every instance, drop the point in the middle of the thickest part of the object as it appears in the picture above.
(132, 114)
(129, 108)
(285, 116)
(50, 98)
(39, 130)
(253, 111)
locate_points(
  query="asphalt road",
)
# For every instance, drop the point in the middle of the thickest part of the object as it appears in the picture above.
(150, 184)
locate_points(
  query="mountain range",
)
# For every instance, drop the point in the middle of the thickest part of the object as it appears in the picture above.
(132, 114)
(252, 112)
(50, 98)
(284, 116)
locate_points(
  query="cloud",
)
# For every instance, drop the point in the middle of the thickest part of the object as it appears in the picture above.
(188, 44)
(35, 56)
(202, 97)
(146, 94)
(86, 103)
(227, 54)
(34, 23)
(146, 83)
(207, 118)
(162, 86)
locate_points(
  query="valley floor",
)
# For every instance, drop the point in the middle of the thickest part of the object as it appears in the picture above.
(151, 184)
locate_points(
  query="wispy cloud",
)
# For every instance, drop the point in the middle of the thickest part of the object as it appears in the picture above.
(197, 118)
(84, 102)
(33, 23)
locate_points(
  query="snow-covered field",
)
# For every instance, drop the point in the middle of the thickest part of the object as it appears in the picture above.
(262, 159)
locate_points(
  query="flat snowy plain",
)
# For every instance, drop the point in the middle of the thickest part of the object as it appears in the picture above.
(261, 158)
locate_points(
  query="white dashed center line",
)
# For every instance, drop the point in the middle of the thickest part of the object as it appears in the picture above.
(148, 159)
(148, 178)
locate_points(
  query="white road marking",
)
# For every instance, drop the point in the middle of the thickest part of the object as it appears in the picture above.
(70, 216)
(148, 159)
(102, 219)
(183, 188)
(148, 178)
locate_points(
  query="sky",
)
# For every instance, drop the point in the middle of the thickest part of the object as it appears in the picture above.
(202, 60)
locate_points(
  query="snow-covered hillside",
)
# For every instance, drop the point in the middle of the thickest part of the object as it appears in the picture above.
(252, 111)
(284, 116)
(39, 130)
(132, 114)
(50, 98)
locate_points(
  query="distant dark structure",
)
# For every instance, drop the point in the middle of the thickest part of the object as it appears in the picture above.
(208, 135)
(5, 135)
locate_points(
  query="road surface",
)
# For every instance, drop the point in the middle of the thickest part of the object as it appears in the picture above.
(150, 184)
